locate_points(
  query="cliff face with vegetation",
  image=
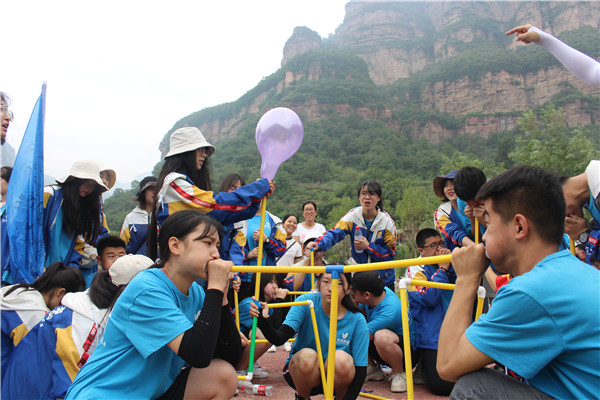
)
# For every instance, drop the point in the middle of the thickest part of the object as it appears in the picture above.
(430, 69)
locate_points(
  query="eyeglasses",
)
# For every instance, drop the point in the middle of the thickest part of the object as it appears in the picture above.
(365, 194)
(435, 245)
(6, 111)
(309, 210)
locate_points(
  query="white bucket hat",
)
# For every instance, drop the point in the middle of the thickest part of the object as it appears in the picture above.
(112, 175)
(85, 170)
(187, 139)
(125, 268)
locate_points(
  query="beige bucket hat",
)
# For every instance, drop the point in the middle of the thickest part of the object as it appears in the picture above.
(85, 170)
(187, 139)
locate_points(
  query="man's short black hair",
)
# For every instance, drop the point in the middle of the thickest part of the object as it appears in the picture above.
(368, 281)
(532, 192)
(467, 182)
(109, 241)
(425, 234)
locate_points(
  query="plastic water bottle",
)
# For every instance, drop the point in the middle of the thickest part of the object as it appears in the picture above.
(258, 390)
(358, 236)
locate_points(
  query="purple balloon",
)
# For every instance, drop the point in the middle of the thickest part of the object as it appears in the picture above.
(279, 134)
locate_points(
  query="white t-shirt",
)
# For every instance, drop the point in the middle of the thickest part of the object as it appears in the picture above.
(302, 231)
(293, 251)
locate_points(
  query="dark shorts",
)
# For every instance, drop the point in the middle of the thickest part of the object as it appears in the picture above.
(317, 390)
(373, 353)
(177, 389)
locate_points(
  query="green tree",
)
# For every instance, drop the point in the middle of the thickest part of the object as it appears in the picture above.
(548, 142)
(415, 212)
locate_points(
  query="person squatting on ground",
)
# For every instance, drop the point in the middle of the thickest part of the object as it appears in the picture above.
(301, 370)
(164, 320)
(269, 292)
(428, 307)
(384, 321)
(58, 346)
(372, 231)
(24, 305)
(536, 328)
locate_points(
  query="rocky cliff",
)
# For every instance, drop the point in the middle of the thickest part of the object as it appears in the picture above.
(399, 42)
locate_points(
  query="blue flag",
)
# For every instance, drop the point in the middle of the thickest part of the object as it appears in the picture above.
(24, 201)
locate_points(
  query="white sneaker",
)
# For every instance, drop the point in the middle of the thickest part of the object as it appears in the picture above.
(418, 375)
(287, 346)
(272, 349)
(374, 373)
(260, 373)
(398, 382)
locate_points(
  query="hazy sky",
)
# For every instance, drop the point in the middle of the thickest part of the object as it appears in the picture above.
(121, 73)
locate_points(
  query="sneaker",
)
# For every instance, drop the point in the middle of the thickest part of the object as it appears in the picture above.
(418, 375)
(260, 373)
(374, 373)
(287, 346)
(272, 349)
(398, 382)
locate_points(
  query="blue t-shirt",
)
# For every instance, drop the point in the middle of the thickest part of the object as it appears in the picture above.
(546, 331)
(245, 318)
(133, 360)
(388, 315)
(352, 333)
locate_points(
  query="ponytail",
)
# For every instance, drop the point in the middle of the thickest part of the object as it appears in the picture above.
(57, 275)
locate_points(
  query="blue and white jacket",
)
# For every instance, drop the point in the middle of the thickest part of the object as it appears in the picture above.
(382, 236)
(134, 231)
(428, 305)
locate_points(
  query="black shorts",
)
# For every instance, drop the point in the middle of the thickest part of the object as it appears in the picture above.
(317, 390)
(177, 389)
(375, 355)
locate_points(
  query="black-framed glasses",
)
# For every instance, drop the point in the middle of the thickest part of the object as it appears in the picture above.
(435, 245)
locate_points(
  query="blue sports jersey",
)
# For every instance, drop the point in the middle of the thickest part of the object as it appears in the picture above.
(352, 333)
(388, 315)
(245, 318)
(133, 360)
(547, 332)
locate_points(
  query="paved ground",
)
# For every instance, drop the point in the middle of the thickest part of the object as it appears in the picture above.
(273, 363)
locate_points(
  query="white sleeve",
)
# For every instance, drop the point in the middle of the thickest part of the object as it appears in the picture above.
(581, 65)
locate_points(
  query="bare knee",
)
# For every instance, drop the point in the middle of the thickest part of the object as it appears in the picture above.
(218, 380)
(344, 366)
(305, 361)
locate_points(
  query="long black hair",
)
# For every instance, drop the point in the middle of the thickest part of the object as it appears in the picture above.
(265, 279)
(81, 215)
(56, 276)
(372, 187)
(180, 225)
(103, 293)
(183, 163)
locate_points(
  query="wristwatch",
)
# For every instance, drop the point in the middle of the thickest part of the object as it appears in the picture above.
(584, 236)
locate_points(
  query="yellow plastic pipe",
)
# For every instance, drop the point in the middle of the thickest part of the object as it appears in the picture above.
(348, 268)
(572, 246)
(333, 310)
(261, 238)
(312, 274)
(313, 317)
(476, 232)
(372, 396)
(410, 393)
(237, 308)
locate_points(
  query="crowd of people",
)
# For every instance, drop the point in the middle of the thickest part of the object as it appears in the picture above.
(150, 313)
